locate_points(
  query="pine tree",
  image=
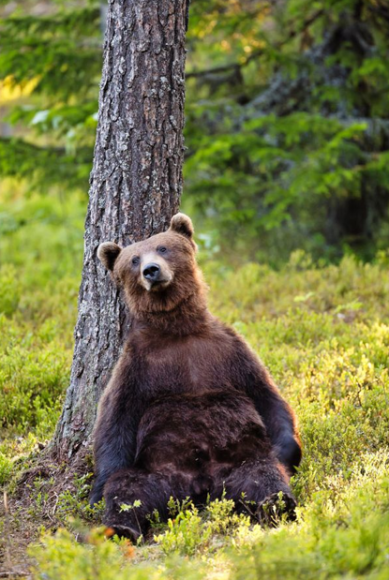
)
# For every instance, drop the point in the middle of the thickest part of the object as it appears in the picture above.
(53, 60)
(135, 189)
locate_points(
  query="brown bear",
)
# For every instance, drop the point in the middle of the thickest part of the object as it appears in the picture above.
(190, 411)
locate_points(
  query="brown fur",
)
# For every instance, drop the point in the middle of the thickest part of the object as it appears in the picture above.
(189, 407)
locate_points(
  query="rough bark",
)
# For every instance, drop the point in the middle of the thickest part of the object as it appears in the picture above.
(135, 185)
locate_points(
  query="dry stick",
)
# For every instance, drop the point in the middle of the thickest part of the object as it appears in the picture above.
(56, 504)
(137, 521)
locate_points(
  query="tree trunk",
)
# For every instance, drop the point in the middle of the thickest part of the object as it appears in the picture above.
(135, 185)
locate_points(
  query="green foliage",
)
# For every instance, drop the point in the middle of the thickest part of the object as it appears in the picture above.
(41, 252)
(185, 533)
(189, 532)
(53, 64)
(345, 537)
(73, 505)
(6, 466)
(65, 559)
(10, 290)
(288, 139)
(51, 167)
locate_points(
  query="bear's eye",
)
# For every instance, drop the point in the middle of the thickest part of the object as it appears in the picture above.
(135, 261)
(161, 249)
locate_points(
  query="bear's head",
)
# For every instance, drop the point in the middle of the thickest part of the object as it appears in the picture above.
(159, 273)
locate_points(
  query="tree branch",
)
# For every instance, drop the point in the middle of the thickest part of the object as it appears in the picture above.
(239, 65)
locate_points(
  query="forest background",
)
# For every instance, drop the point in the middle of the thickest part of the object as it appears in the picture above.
(287, 178)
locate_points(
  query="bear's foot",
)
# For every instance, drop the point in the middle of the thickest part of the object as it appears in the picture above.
(274, 508)
(125, 532)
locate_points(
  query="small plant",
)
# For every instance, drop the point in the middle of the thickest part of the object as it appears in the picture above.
(6, 465)
(126, 507)
(73, 504)
(190, 530)
(186, 532)
(93, 557)
(10, 290)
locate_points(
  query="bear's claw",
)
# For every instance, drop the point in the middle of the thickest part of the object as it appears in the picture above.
(273, 508)
(125, 532)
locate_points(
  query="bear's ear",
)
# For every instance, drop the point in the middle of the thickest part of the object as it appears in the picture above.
(182, 224)
(107, 253)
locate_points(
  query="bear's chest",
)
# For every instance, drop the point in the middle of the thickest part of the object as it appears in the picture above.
(184, 366)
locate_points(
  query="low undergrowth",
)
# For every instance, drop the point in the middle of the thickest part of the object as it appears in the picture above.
(323, 331)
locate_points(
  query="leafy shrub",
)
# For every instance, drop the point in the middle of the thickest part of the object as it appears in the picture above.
(38, 289)
(345, 536)
(61, 558)
(190, 532)
(6, 465)
(10, 290)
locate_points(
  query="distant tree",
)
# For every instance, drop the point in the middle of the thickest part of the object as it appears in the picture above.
(135, 188)
(54, 57)
(289, 133)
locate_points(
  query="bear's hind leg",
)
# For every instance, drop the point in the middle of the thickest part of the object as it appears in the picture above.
(255, 487)
(131, 495)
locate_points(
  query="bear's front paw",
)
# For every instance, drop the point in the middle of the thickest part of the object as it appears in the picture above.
(275, 508)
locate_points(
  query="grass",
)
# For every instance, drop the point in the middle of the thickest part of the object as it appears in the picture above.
(323, 331)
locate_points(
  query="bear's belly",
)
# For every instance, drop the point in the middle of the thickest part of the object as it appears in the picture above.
(205, 434)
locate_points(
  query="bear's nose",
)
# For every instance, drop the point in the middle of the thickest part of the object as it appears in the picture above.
(151, 272)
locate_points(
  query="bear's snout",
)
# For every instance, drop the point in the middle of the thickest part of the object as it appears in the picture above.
(155, 274)
(152, 272)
